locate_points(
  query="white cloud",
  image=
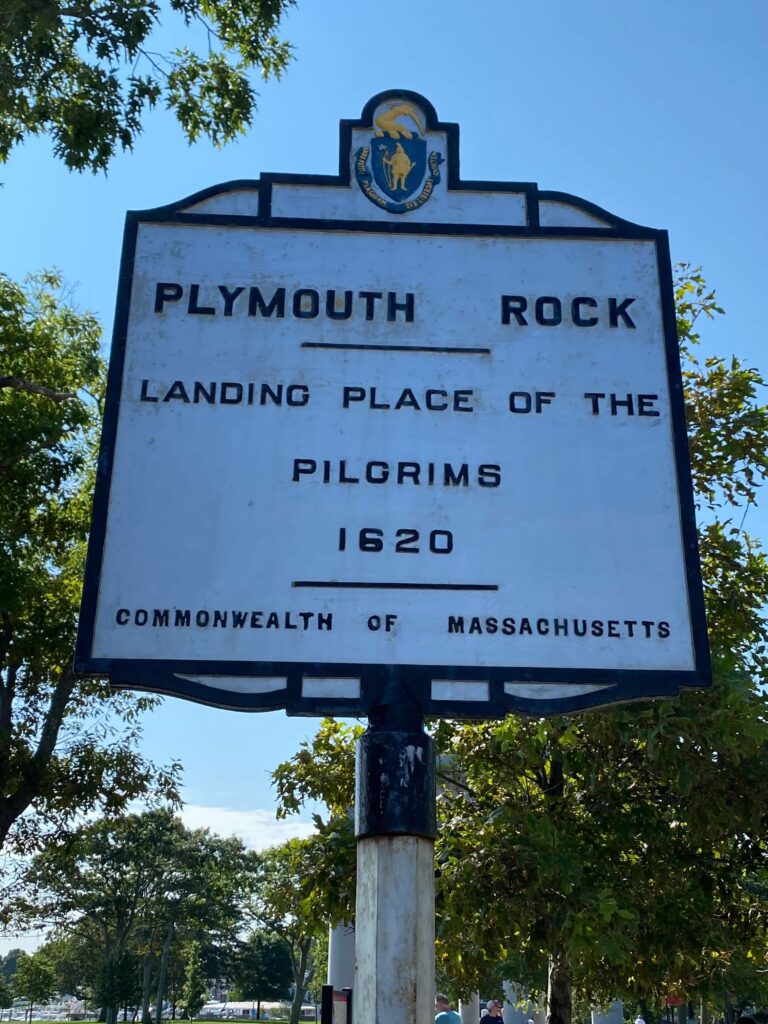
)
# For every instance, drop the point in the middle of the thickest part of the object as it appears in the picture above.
(257, 828)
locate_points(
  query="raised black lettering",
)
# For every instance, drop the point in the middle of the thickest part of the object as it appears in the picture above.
(176, 391)
(645, 405)
(514, 306)
(372, 468)
(622, 403)
(257, 303)
(166, 291)
(194, 307)
(489, 475)
(303, 467)
(330, 306)
(459, 400)
(301, 310)
(618, 310)
(394, 307)
(229, 295)
(352, 394)
(408, 471)
(144, 397)
(297, 394)
(231, 392)
(407, 400)
(520, 402)
(576, 315)
(455, 478)
(207, 394)
(595, 397)
(370, 303)
(431, 400)
(555, 317)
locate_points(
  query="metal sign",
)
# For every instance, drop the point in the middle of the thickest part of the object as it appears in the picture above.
(392, 425)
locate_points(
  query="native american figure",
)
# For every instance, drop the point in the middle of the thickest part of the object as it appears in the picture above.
(397, 167)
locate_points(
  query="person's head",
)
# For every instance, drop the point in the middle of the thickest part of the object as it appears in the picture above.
(494, 1007)
(442, 1003)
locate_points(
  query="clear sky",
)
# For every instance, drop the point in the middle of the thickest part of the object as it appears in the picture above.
(655, 111)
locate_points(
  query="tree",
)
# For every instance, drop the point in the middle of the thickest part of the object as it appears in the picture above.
(601, 817)
(34, 980)
(67, 745)
(195, 985)
(134, 886)
(262, 970)
(6, 995)
(8, 964)
(592, 833)
(75, 955)
(289, 903)
(86, 73)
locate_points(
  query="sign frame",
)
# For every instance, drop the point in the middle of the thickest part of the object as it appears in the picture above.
(535, 691)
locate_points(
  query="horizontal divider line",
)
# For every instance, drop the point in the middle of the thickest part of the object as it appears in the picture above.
(398, 348)
(355, 585)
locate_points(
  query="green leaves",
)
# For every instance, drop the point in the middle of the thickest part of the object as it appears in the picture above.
(86, 73)
(58, 759)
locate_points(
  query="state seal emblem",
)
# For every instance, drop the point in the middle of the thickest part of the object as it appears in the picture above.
(394, 171)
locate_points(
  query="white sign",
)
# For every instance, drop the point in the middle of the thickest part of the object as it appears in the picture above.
(343, 445)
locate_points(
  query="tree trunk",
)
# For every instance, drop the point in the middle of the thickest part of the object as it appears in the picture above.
(258, 1009)
(146, 981)
(300, 973)
(559, 989)
(161, 981)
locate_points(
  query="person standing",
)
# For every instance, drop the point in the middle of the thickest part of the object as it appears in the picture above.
(443, 1012)
(492, 1013)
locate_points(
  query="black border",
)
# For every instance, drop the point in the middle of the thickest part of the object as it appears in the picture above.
(162, 676)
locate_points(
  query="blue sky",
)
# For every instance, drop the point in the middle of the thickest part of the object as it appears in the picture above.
(656, 111)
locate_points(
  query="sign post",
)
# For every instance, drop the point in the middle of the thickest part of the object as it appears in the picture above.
(394, 444)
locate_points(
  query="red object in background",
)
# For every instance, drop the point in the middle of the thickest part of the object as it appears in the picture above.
(675, 1000)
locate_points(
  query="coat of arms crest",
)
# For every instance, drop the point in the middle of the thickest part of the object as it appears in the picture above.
(401, 176)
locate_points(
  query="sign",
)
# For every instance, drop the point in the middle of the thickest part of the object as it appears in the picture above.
(394, 425)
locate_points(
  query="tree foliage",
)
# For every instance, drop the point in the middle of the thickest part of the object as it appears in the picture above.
(289, 902)
(86, 71)
(67, 745)
(619, 852)
(195, 985)
(34, 980)
(262, 969)
(135, 887)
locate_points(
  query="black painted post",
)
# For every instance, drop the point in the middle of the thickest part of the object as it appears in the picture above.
(395, 827)
(326, 1004)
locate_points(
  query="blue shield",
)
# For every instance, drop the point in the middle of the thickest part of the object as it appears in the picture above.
(398, 165)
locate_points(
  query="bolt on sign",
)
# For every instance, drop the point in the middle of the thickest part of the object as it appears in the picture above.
(394, 425)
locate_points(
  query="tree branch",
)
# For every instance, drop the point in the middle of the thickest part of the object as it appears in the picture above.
(37, 389)
(13, 805)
